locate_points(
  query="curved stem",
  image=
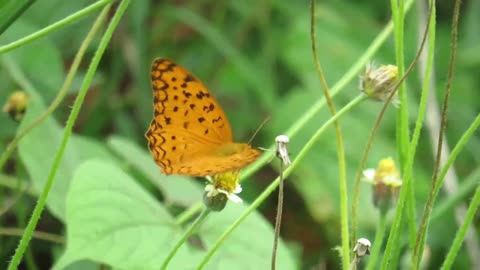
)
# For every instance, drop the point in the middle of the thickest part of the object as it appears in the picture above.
(340, 148)
(419, 244)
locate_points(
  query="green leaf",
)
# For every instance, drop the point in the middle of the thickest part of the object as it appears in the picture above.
(111, 219)
(176, 189)
(39, 147)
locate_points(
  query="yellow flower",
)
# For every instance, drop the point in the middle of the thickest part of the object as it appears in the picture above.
(378, 83)
(386, 181)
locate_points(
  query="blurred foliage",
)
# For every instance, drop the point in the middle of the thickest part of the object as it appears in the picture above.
(255, 57)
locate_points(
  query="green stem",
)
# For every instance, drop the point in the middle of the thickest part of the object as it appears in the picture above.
(406, 194)
(398, 15)
(264, 195)
(340, 148)
(421, 236)
(378, 241)
(462, 231)
(53, 27)
(402, 114)
(67, 132)
(358, 177)
(185, 236)
(423, 102)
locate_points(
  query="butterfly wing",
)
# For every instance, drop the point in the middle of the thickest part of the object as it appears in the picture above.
(188, 124)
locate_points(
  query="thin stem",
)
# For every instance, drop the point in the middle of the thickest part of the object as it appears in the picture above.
(185, 236)
(12, 183)
(462, 231)
(419, 244)
(67, 133)
(340, 148)
(263, 196)
(377, 242)
(58, 239)
(408, 164)
(402, 129)
(278, 218)
(358, 177)
(53, 27)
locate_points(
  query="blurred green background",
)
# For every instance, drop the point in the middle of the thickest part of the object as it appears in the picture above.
(256, 59)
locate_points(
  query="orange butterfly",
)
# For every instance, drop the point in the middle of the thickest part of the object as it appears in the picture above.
(189, 133)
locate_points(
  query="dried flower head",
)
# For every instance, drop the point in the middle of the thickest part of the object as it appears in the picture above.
(16, 105)
(386, 182)
(281, 149)
(222, 187)
(378, 83)
(362, 247)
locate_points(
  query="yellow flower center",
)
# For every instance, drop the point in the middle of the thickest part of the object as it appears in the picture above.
(227, 181)
(387, 173)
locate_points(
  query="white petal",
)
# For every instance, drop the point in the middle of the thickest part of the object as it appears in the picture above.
(234, 198)
(211, 191)
(238, 189)
(369, 174)
(209, 178)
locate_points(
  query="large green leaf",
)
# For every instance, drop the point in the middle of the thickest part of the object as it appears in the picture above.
(111, 219)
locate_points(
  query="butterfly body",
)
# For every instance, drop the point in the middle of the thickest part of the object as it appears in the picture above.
(190, 134)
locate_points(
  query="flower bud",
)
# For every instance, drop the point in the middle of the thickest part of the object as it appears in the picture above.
(379, 83)
(16, 105)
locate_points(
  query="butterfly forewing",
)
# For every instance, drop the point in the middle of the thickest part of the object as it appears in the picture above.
(189, 126)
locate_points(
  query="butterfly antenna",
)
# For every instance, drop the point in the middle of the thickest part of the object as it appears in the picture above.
(260, 127)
